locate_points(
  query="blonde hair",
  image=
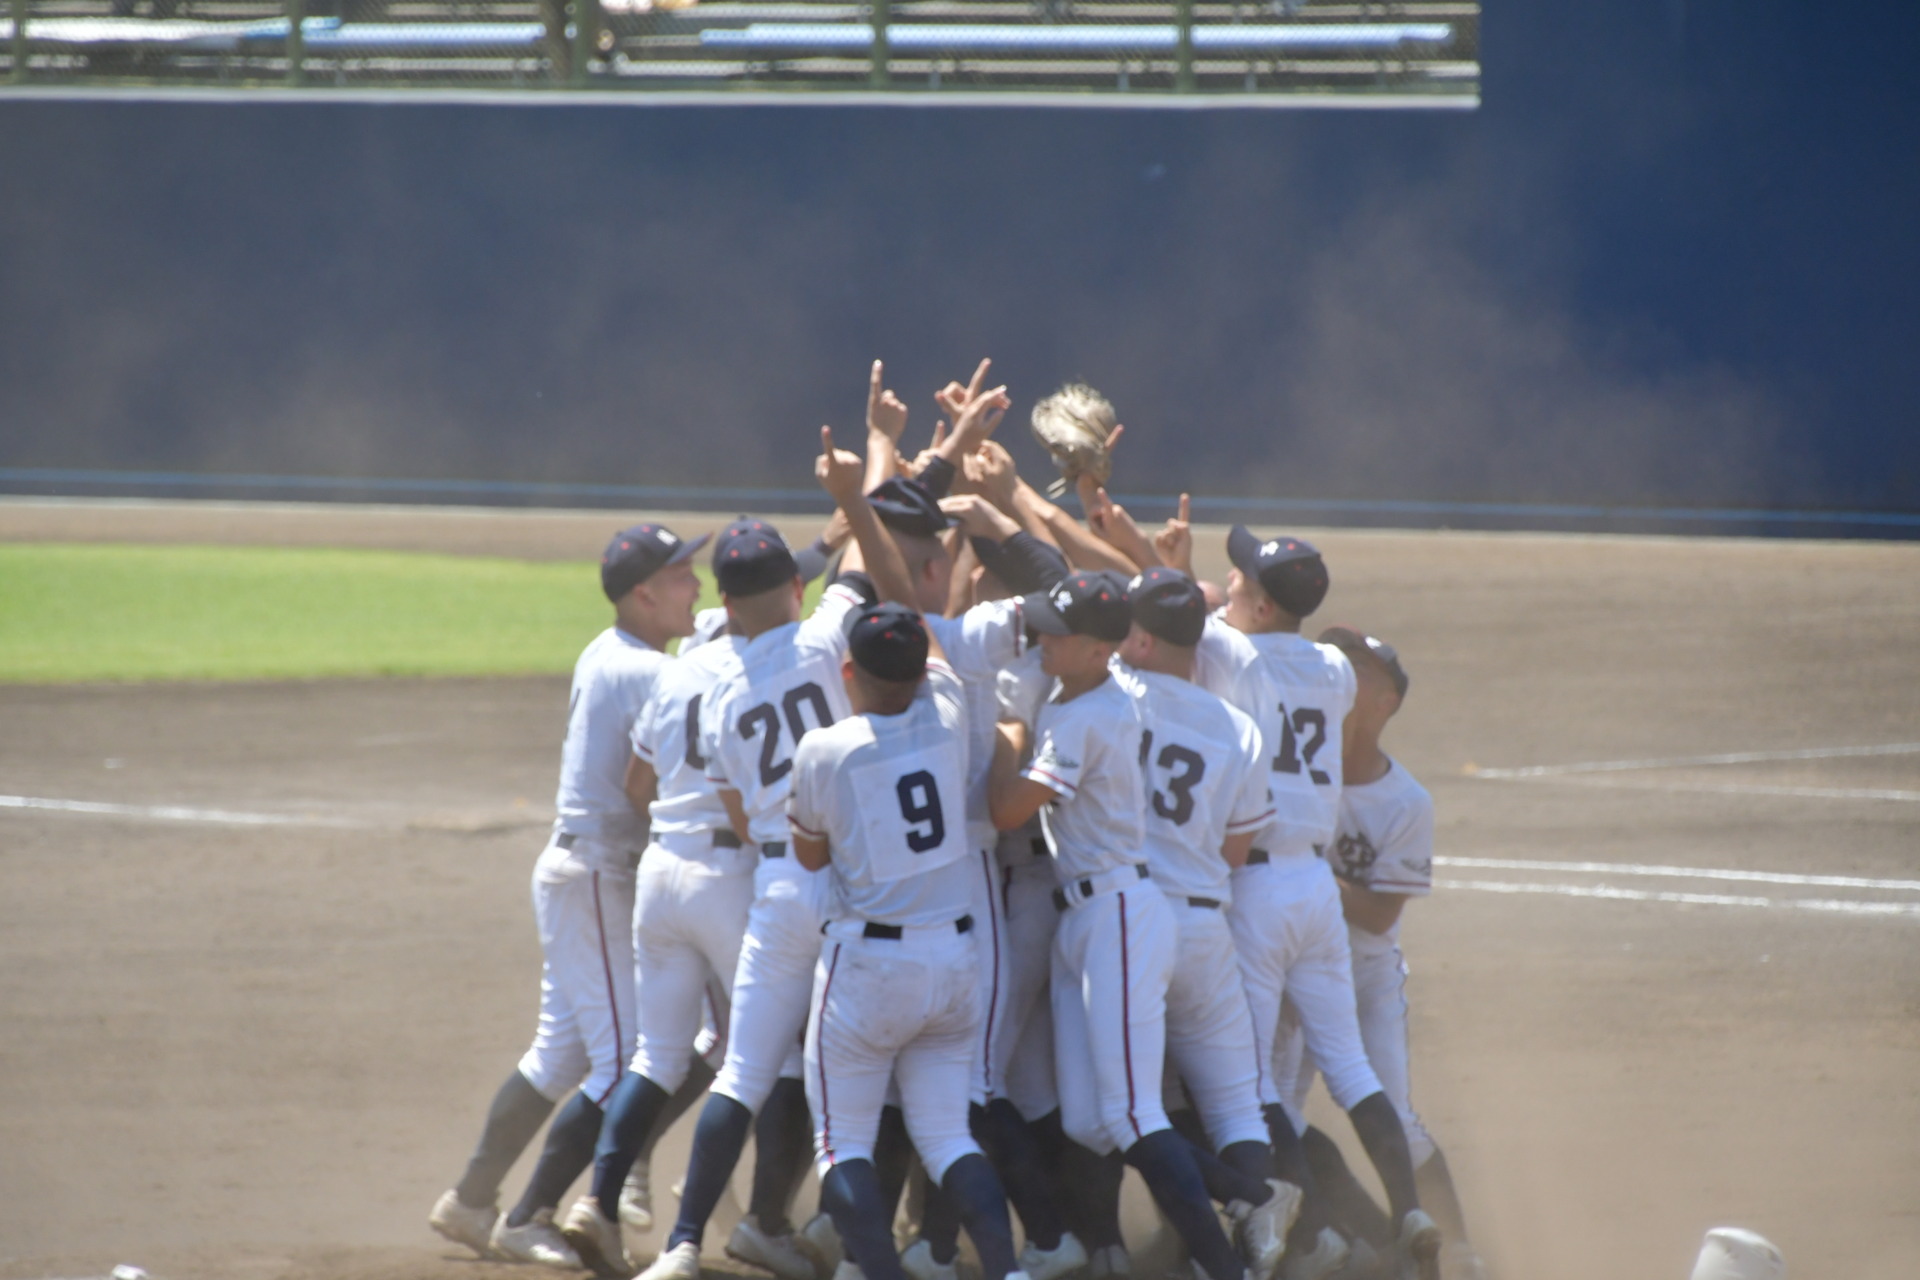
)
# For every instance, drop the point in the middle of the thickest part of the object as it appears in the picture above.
(1076, 405)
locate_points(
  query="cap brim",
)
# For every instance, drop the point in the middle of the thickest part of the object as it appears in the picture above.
(1040, 613)
(689, 549)
(1243, 549)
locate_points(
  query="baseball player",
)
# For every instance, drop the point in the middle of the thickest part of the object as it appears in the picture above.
(1382, 855)
(1207, 798)
(1113, 953)
(977, 645)
(1286, 921)
(896, 992)
(787, 684)
(583, 901)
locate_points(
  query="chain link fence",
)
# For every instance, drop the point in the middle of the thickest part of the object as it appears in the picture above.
(1417, 51)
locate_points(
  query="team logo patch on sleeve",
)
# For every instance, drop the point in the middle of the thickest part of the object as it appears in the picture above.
(1355, 855)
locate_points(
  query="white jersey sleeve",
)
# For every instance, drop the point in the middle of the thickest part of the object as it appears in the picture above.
(885, 793)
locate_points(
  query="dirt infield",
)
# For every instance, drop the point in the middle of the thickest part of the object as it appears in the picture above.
(254, 1041)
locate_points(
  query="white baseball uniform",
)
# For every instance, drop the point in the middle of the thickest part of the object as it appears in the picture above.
(1286, 918)
(1021, 1037)
(1113, 952)
(1206, 778)
(583, 883)
(1384, 842)
(978, 645)
(896, 990)
(695, 881)
(788, 684)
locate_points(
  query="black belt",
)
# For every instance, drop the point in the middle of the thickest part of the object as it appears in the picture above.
(894, 932)
(1040, 849)
(1211, 904)
(773, 848)
(1061, 902)
(725, 839)
(1257, 857)
(564, 840)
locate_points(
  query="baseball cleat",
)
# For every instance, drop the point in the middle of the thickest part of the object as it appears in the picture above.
(1329, 1254)
(682, 1262)
(820, 1241)
(1050, 1264)
(776, 1253)
(1420, 1244)
(1261, 1229)
(919, 1264)
(598, 1242)
(1458, 1261)
(537, 1240)
(1108, 1262)
(636, 1198)
(464, 1224)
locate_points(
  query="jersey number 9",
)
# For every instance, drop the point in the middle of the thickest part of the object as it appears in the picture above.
(920, 806)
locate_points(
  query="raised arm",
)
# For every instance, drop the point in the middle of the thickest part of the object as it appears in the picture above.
(842, 474)
(1081, 548)
(886, 421)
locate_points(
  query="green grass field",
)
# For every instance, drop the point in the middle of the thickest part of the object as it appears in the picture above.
(72, 612)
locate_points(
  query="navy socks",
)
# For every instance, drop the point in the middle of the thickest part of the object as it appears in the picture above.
(568, 1152)
(517, 1113)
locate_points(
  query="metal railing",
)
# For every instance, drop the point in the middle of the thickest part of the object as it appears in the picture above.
(1415, 50)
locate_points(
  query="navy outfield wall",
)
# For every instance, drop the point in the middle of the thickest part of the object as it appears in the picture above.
(1671, 261)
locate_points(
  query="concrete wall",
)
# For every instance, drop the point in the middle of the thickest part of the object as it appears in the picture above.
(1671, 260)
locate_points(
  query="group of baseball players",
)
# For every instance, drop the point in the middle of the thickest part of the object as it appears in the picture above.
(1023, 859)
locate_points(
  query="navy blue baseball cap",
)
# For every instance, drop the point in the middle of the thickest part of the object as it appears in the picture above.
(888, 640)
(749, 557)
(636, 554)
(1290, 569)
(1082, 604)
(1169, 605)
(907, 506)
(1357, 644)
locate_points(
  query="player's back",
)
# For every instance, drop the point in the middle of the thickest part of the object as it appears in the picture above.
(887, 793)
(788, 684)
(667, 736)
(1298, 693)
(1205, 776)
(612, 681)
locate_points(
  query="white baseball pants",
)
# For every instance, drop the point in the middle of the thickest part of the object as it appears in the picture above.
(1023, 1041)
(583, 905)
(1292, 941)
(688, 922)
(901, 1010)
(773, 982)
(1380, 986)
(1210, 1038)
(1112, 961)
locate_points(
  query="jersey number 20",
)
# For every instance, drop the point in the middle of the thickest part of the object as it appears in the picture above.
(764, 722)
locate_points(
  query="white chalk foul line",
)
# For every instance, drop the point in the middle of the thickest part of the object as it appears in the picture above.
(1688, 762)
(174, 813)
(1680, 873)
(1616, 783)
(1909, 910)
